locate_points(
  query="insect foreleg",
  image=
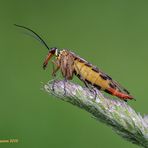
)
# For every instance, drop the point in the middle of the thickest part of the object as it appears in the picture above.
(55, 69)
(54, 72)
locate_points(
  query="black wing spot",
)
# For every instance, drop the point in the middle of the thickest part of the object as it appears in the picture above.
(81, 60)
(88, 65)
(95, 69)
(103, 77)
(126, 91)
(109, 78)
(112, 85)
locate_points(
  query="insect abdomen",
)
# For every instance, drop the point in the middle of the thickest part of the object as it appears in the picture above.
(91, 76)
(97, 79)
(121, 95)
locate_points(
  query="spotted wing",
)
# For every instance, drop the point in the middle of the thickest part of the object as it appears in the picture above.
(119, 87)
(113, 84)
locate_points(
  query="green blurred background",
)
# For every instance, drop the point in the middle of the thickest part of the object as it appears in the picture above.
(112, 34)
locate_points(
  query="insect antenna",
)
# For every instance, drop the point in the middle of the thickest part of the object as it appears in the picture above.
(40, 39)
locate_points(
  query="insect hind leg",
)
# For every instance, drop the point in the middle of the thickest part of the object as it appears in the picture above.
(94, 90)
(64, 83)
(91, 88)
(87, 83)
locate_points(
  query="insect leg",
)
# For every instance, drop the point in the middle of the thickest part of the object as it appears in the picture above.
(90, 87)
(85, 83)
(54, 72)
(64, 81)
(55, 69)
(95, 92)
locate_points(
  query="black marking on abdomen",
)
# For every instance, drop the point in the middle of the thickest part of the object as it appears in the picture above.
(97, 86)
(107, 91)
(80, 77)
(87, 81)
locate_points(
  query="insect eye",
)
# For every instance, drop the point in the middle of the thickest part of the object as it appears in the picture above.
(52, 50)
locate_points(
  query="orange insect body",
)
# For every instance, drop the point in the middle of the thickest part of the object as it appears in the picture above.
(70, 64)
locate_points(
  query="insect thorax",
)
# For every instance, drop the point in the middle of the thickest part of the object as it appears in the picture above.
(66, 63)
